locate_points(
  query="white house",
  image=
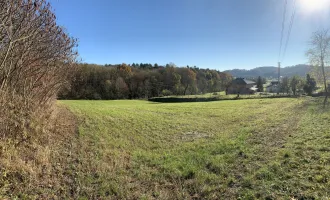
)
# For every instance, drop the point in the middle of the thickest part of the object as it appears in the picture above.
(274, 87)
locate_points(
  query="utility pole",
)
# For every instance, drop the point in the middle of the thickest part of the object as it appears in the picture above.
(279, 74)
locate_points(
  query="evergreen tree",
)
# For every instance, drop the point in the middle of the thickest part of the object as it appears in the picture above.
(284, 85)
(260, 85)
(310, 85)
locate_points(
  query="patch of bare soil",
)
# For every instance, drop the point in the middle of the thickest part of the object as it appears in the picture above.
(194, 135)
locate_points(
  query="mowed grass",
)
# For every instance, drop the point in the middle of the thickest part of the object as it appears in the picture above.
(246, 149)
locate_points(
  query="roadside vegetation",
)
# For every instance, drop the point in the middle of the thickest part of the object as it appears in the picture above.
(217, 97)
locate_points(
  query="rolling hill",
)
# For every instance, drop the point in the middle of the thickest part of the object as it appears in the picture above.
(270, 71)
(133, 149)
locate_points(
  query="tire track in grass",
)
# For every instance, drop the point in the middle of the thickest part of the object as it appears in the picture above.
(261, 148)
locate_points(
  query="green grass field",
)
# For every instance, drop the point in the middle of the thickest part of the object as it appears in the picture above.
(246, 149)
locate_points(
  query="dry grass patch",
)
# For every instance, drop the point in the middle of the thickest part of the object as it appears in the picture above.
(41, 165)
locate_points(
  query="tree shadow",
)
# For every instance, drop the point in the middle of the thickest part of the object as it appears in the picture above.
(318, 104)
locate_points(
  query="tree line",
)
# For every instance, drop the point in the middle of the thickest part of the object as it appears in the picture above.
(295, 85)
(142, 80)
(298, 85)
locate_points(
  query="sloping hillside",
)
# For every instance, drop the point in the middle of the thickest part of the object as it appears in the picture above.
(246, 149)
(270, 72)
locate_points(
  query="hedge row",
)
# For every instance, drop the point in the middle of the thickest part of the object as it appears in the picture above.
(207, 99)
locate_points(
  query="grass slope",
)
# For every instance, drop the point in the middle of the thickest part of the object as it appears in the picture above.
(269, 148)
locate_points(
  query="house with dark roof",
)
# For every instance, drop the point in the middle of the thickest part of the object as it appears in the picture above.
(241, 86)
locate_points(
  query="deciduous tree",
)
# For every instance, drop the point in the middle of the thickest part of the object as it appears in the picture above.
(319, 56)
(285, 85)
(296, 84)
(188, 78)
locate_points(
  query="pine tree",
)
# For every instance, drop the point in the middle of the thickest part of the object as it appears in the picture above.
(310, 85)
(260, 85)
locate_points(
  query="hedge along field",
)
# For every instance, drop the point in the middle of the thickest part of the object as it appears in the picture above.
(263, 148)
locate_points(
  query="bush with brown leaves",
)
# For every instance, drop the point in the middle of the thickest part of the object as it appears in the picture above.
(36, 59)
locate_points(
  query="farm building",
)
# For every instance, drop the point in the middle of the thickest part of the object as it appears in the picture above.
(273, 87)
(241, 86)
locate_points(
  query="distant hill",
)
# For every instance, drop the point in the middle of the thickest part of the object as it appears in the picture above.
(270, 72)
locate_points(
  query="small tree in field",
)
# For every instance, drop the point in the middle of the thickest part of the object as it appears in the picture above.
(319, 56)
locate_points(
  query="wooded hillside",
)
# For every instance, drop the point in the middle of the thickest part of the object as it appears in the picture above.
(271, 71)
(142, 81)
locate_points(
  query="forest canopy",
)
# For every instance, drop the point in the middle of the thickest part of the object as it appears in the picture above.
(142, 81)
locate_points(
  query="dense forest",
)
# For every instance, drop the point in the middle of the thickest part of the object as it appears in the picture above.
(142, 81)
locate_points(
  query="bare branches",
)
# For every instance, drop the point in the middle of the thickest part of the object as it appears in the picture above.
(319, 56)
(36, 55)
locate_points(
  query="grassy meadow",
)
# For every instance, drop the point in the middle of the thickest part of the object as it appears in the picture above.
(246, 149)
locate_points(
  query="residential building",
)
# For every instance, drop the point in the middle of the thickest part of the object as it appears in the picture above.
(241, 86)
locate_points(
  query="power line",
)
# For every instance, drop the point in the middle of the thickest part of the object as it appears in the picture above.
(290, 28)
(283, 22)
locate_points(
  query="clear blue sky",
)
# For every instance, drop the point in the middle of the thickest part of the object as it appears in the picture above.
(216, 34)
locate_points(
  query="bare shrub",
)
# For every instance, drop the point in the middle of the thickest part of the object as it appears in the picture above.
(36, 59)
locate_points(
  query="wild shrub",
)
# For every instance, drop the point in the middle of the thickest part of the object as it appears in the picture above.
(36, 59)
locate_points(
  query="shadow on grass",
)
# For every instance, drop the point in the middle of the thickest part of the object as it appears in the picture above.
(318, 106)
(209, 99)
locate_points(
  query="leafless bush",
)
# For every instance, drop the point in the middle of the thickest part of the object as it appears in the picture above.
(36, 59)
